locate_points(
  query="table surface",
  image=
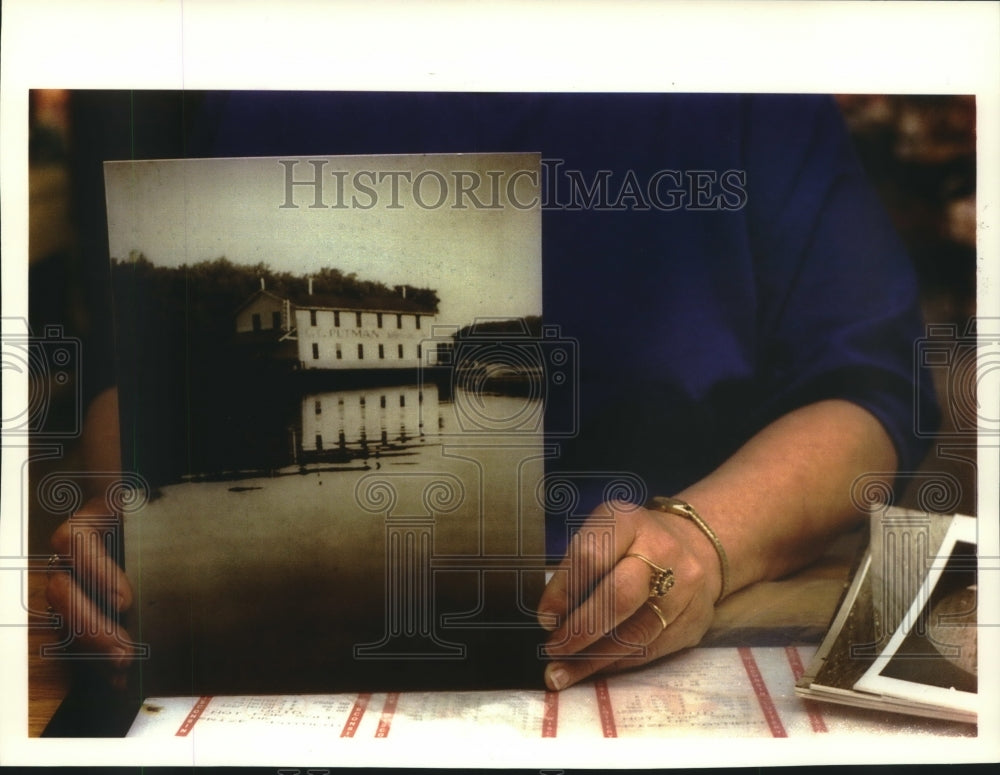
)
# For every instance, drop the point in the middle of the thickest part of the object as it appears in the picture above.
(798, 608)
(48, 679)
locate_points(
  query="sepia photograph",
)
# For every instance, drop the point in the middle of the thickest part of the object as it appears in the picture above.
(321, 508)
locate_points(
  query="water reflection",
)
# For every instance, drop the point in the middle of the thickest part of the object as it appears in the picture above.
(347, 424)
(284, 427)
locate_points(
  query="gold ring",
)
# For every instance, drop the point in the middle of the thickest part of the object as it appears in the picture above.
(53, 559)
(662, 580)
(686, 510)
(656, 610)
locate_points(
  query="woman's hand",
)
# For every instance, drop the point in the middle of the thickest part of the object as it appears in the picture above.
(92, 593)
(601, 600)
(774, 505)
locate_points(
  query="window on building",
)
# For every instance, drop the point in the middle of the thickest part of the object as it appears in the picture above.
(402, 399)
(381, 401)
(378, 319)
(276, 319)
(315, 351)
(361, 352)
(336, 318)
(319, 442)
(338, 354)
(256, 321)
(319, 407)
(399, 350)
(357, 319)
(399, 321)
(420, 352)
(416, 318)
(381, 352)
(312, 317)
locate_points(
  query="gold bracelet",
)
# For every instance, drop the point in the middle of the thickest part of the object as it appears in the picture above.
(683, 509)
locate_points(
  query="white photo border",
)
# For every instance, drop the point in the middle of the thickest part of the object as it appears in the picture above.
(961, 530)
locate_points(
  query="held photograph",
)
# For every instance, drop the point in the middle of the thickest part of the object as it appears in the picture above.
(334, 410)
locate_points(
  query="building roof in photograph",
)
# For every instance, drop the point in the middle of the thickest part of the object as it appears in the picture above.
(256, 295)
(390, 303)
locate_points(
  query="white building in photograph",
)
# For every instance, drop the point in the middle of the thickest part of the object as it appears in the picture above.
(336, 335)
(336, 332)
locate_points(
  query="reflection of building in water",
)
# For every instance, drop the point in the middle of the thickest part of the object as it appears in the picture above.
(355, 419)
(334, 332)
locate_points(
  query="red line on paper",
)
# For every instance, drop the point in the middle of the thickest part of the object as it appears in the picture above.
(763, 695)
(388, 710)
(604, 708)
(550, 719)
(815, 715)
(188, 724)
(795, 661)
(360, 706)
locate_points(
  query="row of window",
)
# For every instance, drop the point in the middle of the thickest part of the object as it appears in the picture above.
(357, 319)
(339, 353)
(258, 324)
(342, 439)
(382, 402)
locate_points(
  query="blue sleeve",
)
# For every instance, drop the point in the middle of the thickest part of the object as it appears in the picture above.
(839, 313)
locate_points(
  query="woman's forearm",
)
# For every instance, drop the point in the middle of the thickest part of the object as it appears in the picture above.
(776, 503)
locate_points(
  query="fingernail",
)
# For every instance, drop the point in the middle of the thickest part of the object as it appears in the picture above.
(548, 620)
(556, 677)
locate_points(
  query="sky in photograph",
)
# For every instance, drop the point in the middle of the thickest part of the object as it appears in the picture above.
(483, 257)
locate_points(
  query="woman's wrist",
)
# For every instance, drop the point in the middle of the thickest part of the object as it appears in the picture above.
(685, 510)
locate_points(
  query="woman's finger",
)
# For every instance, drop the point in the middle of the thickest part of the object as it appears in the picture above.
(631, 644)
(90, 549)
(649, 638)
(86, 625)
(610, 609)
(593, 551)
